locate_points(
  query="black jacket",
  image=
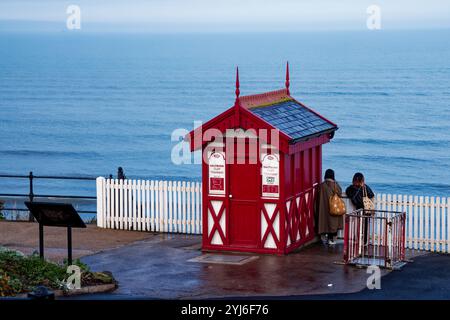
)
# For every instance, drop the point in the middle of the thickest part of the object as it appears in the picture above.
(355, 194)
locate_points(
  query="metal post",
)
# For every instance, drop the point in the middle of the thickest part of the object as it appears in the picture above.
(41, 240)
(346, 238)
(31, 194)
(385, 243)
(69, 246)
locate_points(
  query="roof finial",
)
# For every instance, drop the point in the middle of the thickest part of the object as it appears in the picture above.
(287, 78)
(237, 84)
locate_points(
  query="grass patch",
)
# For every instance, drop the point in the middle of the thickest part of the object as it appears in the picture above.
(21, 274)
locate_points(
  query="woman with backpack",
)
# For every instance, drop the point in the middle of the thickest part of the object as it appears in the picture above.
(329, 208)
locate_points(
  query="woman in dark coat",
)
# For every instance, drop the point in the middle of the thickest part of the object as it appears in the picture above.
(327, 224)
(356, 190)
(355, 193)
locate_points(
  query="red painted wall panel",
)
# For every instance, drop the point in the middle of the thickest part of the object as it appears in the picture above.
(318, 166)
(298, 172)
(287, 175)
(306, 169)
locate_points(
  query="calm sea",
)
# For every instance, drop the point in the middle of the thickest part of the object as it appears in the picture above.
(83, 104)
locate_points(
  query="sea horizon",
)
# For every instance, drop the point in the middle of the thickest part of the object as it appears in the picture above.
(86, 103)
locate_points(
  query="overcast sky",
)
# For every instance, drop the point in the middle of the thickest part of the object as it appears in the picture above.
(225, 15)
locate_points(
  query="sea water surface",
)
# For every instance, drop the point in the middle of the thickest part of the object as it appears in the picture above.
(82, 104)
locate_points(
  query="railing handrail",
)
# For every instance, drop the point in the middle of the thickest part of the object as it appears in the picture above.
(90, 178)
(27, 210)
(308, 190)
(389, 214)
(31, 195)
(47, 196)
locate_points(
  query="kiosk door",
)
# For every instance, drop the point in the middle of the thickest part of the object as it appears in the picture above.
(243, 194)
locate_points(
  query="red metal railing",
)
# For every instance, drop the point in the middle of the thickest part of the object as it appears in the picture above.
(375, 237)
(299, 218)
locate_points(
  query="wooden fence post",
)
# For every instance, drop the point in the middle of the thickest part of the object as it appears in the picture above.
(100, 184)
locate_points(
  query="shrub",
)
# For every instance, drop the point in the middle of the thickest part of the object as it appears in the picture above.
(19, 273)
(5, 286)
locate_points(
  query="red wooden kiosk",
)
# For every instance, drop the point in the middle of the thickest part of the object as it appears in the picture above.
(262, 162)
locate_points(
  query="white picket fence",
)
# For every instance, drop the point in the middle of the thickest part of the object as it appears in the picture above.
(176, 207)
(427, 220)
(149, 205)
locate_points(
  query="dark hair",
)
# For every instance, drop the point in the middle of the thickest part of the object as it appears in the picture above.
(329, 174)
(358, 178)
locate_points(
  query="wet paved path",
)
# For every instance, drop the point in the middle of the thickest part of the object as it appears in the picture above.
(428, 277)
(159, 268)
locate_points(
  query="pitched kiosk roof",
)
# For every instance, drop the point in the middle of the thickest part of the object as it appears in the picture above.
(283, 112)
(274, 109)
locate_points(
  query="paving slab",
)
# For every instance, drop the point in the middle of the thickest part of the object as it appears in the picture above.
(426, 278)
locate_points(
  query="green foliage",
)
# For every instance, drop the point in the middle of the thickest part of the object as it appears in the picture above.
(19, 273)
(5, 286)
(83, 266)
(98, 277)
(24, 273)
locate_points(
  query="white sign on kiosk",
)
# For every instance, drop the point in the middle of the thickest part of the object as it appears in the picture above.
(216, 164)
(270, 172)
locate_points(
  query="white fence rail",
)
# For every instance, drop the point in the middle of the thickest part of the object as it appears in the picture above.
(176, 207)
(427, 220)
(149, 205)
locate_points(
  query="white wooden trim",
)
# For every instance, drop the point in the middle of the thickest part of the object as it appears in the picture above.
(416, 223)
(108, 203)
(420, 226)
(438, 224)
(100, 184)
(426, 233)
(170, 216)
(432, 222)
(183, 212)
(116, 204)
(448, 224)
(188, 207)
